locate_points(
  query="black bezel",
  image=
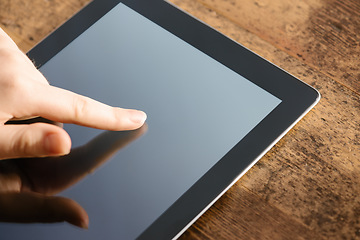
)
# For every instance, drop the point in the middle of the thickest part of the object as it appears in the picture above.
(296, 97)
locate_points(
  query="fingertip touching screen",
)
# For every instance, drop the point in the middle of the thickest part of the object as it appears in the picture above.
(198, 110)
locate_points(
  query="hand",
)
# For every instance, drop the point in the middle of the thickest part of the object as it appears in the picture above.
(28, 186)
(24, 93)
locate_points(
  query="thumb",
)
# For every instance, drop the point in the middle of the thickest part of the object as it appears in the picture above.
(33, 140)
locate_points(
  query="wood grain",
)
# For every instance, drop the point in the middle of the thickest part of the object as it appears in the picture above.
(308, 185)
(324, 34)
(312, 174)
(28, 22)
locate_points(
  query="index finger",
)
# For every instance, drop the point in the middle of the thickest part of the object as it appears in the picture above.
(65, 106)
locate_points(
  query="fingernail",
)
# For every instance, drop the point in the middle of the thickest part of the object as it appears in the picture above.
(54, 146)
(84, 225)
(137, 116)
(50, 142)
(80, 223)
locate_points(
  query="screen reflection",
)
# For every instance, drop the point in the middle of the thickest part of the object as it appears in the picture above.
(28, 186)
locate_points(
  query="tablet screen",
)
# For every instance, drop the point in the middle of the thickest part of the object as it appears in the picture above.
(197, 109)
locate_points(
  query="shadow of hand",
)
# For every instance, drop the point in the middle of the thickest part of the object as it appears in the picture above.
(28, 186)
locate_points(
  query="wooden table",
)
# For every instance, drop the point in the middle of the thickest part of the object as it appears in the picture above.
(308, 185)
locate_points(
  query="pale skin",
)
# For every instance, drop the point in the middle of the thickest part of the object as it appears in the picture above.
(25, 93)
(29, 186)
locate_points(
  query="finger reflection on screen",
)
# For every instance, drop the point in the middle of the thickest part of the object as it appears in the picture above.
(28, 186)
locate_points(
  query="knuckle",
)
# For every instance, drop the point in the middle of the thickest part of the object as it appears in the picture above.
(12, 90)
(23, 144)
(117, 120)
(80, 107)
(10, 78)
(10, 56)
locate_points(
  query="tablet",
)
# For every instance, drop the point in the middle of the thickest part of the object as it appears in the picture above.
(214, 108)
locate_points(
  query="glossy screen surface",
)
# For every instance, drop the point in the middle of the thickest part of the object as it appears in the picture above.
(197, 111)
